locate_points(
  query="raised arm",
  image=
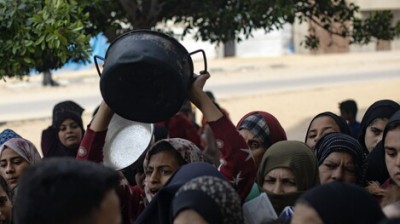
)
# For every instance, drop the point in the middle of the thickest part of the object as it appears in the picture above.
(91, 147)
(237, 163)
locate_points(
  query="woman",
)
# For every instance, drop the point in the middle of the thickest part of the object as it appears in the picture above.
(5, 203)
(207, 199)
(340, 158)
(337, 202)
(323, 124)
(162, 203)
(374, 121)
(391, 144)
(260, 130)
(288, 169)
(64, 136)
(16, 155)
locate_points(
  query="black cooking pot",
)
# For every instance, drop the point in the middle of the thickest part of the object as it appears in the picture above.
(146, 75)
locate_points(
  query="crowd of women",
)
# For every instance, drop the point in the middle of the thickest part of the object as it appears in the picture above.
(218, 172)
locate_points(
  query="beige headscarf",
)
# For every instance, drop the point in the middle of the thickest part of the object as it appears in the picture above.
(297, 157)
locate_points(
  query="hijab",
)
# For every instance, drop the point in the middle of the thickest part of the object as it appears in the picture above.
(379, 109)
(188, 151)
(297, 157)
(375, 166)
(23, 148)
(159, 211)
(341, 122)
(212, 197)
(7, 134)
(393, 121)
(50, 142)
(341, 202)
(339, 142)
(264, 126)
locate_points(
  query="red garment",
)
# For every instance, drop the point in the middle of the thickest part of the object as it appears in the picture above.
(180, 127)
(237, 163)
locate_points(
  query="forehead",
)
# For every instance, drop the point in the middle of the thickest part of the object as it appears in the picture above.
(324, 122)
(380, 122)
(8, 153)
(246, 134)
(163, 158)
(340, 156)
(392, 138)
(281, 172)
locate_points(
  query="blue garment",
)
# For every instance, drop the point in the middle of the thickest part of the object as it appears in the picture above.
(355, 129)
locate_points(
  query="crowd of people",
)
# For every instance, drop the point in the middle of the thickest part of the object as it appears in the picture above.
(344, 171)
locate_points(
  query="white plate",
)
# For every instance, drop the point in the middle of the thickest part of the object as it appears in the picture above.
(125, 142)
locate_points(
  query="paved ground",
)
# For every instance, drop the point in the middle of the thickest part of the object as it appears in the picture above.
(293, 107)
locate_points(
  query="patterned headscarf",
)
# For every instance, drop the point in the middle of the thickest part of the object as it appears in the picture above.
(188, 151)
(341, 202)
(339, 142)
(7, 134)
(264, 126)
(23, 148)
(297, 157)
(213, 198)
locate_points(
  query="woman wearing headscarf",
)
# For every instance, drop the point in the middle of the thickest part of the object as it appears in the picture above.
(160, 209)
(287, 170)
(260, 130)
(340, 158)
(374, 121)
(16, 155)
(323, 124)
(64, 136)
(337, 202)
(207, 199)
(391, 144)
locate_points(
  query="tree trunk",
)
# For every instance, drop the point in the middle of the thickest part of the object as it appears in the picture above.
(229, 49)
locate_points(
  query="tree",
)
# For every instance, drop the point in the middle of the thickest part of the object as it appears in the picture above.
(224, 20)
(41, 35)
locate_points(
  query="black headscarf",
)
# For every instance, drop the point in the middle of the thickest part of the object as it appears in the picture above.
(159, 211)
(379, 109)
(340, 202)
(339, 142)
(50, 142)
(341, 122)
(375, 166)
(394, 119)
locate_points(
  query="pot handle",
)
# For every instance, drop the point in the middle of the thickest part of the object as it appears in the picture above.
(204, 58)
(97, 65)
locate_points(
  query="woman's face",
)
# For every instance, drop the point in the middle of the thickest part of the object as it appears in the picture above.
(374, 133)
(70, 134)
(189, 216)
(5, 207)
(319, 127)
(12, 166)
(304, 213)
(255, 145)
(280, 181)
(160, 168)
(338, 166)
(392, 154)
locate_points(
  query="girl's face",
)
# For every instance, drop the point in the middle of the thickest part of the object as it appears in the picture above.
(374, 132)
(12, 166)
(255, 145)
(280, 181)
(160, 168)
(319, 127)
(392, 154)
(70, 134)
